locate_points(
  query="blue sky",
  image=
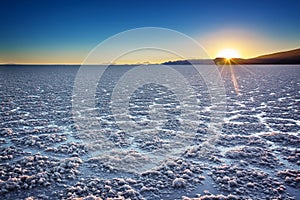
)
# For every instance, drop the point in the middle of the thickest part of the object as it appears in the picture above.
(65, 31)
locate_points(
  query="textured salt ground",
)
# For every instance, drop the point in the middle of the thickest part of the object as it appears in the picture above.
(256, 157)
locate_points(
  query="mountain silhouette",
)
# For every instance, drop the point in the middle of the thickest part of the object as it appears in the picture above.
(284, 57)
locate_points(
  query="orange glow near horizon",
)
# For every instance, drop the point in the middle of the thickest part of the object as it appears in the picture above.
(243, 43)
(248, 42)
(228, 54)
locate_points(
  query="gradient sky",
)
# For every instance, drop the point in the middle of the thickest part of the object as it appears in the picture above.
(45, 31)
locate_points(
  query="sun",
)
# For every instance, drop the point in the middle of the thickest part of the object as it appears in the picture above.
(228, 54)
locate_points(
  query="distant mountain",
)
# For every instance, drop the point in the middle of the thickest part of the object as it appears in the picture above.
(190, 62)
(285, 57)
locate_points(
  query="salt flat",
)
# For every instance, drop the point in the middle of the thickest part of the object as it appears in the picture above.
(44, 155)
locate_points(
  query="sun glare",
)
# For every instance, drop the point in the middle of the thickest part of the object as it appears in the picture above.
(228, 54)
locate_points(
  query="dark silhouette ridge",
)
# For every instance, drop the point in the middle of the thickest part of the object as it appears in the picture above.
(190, 62)
(285, 57)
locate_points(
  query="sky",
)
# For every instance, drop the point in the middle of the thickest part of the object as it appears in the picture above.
(51, 32)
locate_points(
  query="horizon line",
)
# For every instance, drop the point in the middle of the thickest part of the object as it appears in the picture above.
(145, 63)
